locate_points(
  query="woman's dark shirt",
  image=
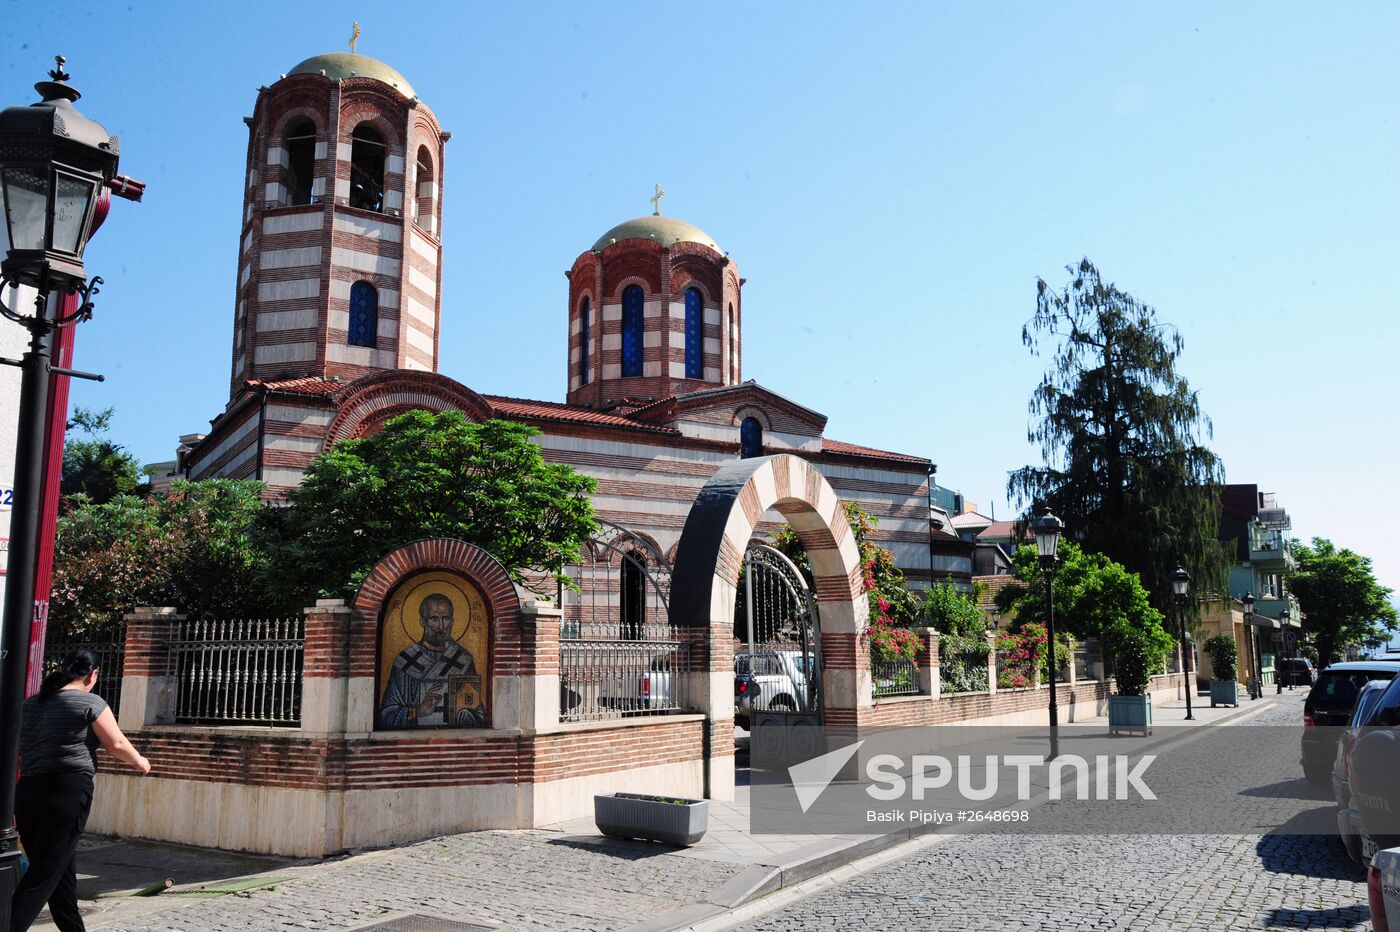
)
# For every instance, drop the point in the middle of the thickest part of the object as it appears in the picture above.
(56, 735)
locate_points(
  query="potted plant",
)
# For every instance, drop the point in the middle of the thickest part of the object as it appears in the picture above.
(667, 819)
(1224, 690)
(1130, 708)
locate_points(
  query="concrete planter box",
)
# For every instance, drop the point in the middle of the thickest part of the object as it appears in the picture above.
(1224, 692)
(1129, 714)
(665, 819)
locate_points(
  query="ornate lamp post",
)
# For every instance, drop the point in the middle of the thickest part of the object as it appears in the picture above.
(1291, 641)
(1047, 529)
(1256, 683)
(54, 162)
(1181, 581)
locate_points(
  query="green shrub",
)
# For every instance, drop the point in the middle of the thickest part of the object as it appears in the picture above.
(1222, 652)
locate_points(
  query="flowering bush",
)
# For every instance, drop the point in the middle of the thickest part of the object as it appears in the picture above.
(888, 641)
(1021, 657)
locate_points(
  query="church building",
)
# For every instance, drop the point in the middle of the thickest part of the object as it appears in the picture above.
(338, 309)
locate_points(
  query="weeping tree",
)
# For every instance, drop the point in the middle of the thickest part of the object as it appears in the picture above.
(1121, 433)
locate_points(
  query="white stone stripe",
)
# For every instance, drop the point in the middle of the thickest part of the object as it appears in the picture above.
(364, 261)
(295, 290)
(290, 258)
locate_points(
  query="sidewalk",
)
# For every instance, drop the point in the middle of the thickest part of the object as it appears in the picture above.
(563, 877)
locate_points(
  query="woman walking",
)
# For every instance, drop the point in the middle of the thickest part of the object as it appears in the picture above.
(63, 724)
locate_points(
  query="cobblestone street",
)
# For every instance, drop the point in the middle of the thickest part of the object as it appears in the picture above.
(1178, 882)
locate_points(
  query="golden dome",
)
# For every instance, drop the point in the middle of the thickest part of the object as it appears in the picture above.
(353, 65)
(668, 231)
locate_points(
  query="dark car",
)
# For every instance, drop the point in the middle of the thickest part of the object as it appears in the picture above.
(1374, 696)
(1295, 671)
(1328, 709)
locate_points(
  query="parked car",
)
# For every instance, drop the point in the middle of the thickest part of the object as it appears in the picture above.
(1372, 697)
(646, 690)
(744, 691)
(1331, 702)
(1383, 888)
(780, 679)
(1295, 671)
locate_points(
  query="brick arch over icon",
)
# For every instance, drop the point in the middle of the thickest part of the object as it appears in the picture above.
(454, 556)
(711, 551)
(366, 403)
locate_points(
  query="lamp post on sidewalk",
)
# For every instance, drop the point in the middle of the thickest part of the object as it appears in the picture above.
(54, 162)
(1181, 580)
(1256, 682)
(1048, 529)
(1289, 640)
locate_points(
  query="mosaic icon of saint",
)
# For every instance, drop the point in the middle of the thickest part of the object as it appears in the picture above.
(433, 682)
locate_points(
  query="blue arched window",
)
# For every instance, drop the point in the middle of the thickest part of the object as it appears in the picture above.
(364, 315)
(694, 334)
(583, 343)
(632, 301)
(750, 438)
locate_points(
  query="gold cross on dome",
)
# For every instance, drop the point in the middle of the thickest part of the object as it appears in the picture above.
(354, 36)
(656, 200)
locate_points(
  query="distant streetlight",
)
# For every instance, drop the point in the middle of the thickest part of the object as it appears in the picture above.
(1048, 529)
(1291, 641)
(1181, 581)
(1251, 638)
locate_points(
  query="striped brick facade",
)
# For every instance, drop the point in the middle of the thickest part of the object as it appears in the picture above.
(298, 261)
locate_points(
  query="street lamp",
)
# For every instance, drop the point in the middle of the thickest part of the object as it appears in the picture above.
(1290, 639)
(1181, 580)
(1256, 683)
(1047, 529)
(54, 163)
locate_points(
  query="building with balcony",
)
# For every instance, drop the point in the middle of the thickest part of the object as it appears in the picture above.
(1259, 528)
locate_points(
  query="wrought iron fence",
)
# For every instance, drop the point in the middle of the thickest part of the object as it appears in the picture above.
(899, 677)
(239, 672)
(619, 654)
(962, 664)
(602, 679)
(110, 651)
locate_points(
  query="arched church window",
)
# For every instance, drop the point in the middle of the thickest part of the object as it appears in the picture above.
(583, 341)
(750, 438)
(424, 211)
(367, 168)
(633, 601)
(364, 315)
(694, 334)
(632, 301)
(300, 145)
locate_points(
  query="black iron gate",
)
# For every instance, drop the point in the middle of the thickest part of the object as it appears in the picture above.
(781, 652)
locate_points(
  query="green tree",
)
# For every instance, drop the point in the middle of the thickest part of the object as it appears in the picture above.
(1120, 430)
(93, 464)
(1343, 604)
(428, 475)
(1095, 597)
(197, 548)
(952, 611)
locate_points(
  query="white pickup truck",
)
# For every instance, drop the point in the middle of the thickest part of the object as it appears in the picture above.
(780, 679)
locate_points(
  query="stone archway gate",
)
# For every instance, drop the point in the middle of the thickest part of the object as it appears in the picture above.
(704, 589)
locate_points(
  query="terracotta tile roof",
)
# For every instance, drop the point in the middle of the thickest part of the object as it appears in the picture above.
(994, 585)
(852, 449)
(999, 529)
(554, 411)
(310, 385)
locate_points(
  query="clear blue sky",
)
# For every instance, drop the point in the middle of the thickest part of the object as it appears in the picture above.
(891, 180)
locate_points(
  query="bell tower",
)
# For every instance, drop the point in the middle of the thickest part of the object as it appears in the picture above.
(339, 271)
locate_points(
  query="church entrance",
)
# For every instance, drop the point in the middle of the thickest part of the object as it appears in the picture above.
(778, 665)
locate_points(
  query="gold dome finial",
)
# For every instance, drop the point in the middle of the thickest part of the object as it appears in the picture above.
(354, 36)
(656, 200)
